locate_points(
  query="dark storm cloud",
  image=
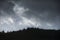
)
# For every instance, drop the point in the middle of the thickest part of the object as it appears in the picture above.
(19, 14)
(47, 10)
(6, 7)
(42, 6)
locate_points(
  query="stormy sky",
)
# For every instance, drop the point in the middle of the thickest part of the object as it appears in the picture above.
(20, 14)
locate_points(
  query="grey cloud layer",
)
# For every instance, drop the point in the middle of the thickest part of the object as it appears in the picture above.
(46, 10)
(19, 15)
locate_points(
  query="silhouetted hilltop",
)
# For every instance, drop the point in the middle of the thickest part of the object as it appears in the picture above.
(31, 34)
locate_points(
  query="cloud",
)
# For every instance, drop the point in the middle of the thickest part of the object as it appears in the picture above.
(10, 23)
(22, 17)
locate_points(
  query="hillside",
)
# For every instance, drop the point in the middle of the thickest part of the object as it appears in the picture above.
(31, 34)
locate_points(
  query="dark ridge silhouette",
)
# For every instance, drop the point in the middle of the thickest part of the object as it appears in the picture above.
(31, 34)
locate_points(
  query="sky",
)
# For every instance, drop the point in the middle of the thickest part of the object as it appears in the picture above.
(22, 14)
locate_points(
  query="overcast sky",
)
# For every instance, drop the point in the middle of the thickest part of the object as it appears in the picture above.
(20, 14)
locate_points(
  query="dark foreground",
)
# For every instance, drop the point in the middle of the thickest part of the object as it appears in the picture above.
(31, 34)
